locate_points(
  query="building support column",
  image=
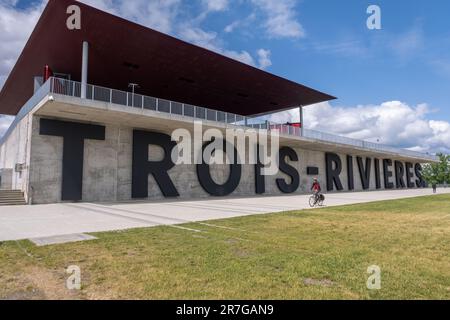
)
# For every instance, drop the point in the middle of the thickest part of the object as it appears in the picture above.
(84, 69)
(300, 112)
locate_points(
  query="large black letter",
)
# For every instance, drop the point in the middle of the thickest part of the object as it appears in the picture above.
(364, 173)
(260, 183)
(350, 177)
(333, 174)
(377, 174)
(409, 175)
(399, 172)
(207, 182)
(142, 167)
(74, 135)
(420, 182)
(387, 174)
(289, 170)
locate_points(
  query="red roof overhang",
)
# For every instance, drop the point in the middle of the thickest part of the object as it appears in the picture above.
(121, 52)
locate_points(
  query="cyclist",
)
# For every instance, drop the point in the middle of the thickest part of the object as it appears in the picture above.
(316, 189)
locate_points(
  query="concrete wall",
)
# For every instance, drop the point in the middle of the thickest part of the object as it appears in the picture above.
(45, 166)
(108, 166)
(6, 177)
(16, 150)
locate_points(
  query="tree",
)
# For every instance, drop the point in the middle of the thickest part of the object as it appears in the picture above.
(438, 173)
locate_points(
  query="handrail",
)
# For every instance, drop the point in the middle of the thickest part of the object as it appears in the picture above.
(99, 93)
(113, 96)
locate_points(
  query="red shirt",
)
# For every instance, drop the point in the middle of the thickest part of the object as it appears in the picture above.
(316, 187)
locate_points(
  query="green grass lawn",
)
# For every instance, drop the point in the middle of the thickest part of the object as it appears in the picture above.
(309, 254)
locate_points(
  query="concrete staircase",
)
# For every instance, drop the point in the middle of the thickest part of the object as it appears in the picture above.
(11, 198)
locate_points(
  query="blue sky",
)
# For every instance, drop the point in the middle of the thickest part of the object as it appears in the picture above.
(339, 55)
(397, 75)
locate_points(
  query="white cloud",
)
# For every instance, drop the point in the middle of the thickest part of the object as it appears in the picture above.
(215, 5)
(14, 35)
(2, 81)
(200, 37)
(441, 135)
(281, 19)
(105, 5)
(232, 26)
(10, 2)
(211, 41)
(159, 15)
(264, 58)
(391, 123)
(242, 56)
(241, 24)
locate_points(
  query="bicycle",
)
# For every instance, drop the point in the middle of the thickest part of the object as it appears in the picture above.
(316, 200)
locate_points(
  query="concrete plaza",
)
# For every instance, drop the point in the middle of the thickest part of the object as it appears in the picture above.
(37, 221)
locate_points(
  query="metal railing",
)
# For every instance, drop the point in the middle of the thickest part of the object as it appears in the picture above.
(329, 137)
(99, 93)
(134, 100)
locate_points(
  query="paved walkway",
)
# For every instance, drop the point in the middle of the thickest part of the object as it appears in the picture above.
(24, 222)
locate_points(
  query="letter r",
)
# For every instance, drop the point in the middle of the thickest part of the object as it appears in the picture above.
(142, 167)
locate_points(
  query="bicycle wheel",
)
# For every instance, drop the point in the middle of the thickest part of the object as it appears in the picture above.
(312, 201)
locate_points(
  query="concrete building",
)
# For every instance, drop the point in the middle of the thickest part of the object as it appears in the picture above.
(96, 100)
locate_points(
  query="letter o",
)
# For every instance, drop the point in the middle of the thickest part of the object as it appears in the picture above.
(207, 182)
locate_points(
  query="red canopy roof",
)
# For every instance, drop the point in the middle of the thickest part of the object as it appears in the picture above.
(121, 52)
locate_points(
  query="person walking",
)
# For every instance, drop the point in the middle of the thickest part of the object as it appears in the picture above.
(434, 186)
